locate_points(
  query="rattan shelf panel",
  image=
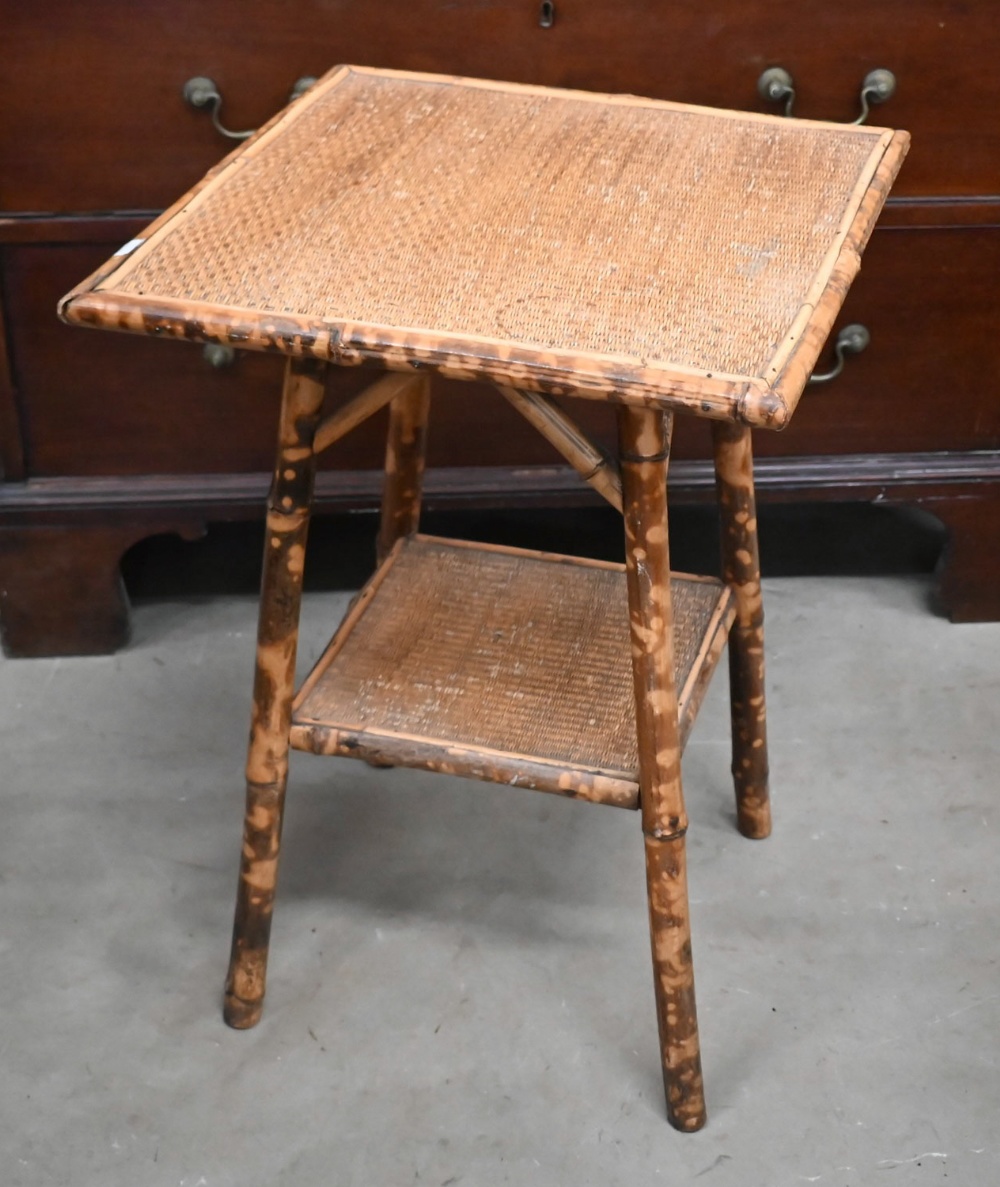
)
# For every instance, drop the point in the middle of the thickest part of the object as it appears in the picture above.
(501, 664)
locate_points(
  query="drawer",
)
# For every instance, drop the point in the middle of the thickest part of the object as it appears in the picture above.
(930, 379)
(942, 53)
(101, 124)
(97, 403)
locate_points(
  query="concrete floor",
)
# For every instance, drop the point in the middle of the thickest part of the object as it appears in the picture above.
(460, 988)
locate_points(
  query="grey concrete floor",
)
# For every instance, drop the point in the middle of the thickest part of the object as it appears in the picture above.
(460, 987)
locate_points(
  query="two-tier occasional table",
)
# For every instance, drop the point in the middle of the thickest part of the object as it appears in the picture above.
(556, 244)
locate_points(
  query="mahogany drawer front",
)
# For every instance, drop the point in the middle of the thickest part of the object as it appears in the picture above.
(100, 123)
(99, 403)
(931, 301)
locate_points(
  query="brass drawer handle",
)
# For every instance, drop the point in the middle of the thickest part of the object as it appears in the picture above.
(202, 93)
(776, 85)
(218, 355)
(301, 86)
(852, 339)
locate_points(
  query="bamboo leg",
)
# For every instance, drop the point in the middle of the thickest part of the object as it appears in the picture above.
(741, 570)
(404, 464)
(644, 442)
(277, 636)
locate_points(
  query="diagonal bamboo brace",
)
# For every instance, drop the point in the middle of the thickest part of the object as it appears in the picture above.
(560, 430)
(338, 424)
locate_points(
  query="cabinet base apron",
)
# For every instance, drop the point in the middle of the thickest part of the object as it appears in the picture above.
(62, 539)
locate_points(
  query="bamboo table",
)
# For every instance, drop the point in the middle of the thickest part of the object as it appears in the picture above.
(664, 258)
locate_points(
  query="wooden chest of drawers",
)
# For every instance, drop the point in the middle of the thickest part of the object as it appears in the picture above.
(102, 137)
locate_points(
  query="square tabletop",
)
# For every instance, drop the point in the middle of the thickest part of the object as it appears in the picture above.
(603, 246)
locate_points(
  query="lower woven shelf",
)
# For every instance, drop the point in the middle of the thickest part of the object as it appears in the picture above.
(501, 664)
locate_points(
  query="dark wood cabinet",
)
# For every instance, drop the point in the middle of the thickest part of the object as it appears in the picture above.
(105, 439)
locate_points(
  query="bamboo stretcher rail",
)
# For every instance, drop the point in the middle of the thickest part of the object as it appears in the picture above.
(590, 462)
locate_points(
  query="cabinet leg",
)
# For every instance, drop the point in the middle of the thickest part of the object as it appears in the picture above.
(644, 442)
(61, 590)
(277, 637)
(969, 570)
(741, 570)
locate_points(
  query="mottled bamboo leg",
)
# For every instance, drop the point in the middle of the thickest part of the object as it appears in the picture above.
(644, 443)
(404, 464)
(741, 570)
(277, 635)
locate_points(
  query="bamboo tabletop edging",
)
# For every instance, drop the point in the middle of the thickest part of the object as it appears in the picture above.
(763, 394)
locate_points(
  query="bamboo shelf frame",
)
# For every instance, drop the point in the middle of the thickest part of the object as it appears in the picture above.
(453, 649)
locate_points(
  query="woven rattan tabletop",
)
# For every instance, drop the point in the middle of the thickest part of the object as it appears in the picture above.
(596, 245)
